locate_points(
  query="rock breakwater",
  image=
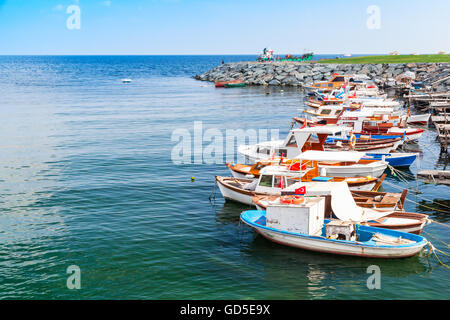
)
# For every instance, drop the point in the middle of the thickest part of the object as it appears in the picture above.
(301, 74)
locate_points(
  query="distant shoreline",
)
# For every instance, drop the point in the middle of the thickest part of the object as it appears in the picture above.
(411, 58)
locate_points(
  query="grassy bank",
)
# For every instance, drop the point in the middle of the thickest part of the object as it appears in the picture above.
(423, 58)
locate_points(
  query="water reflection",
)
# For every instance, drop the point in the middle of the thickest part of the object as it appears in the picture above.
(29, 172)
(230, 212)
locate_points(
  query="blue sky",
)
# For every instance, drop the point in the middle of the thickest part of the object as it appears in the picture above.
(223, 27)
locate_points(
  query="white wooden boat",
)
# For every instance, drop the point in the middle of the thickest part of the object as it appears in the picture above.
(275, 179)
(421, 119)
(330, 163)
(296, 141)
(272, 180)
(302, 224)
(411, 134)
(361, 183)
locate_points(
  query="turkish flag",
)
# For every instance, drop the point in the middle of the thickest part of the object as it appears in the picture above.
(301, 190)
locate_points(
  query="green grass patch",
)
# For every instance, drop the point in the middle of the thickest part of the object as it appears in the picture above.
(422, 58)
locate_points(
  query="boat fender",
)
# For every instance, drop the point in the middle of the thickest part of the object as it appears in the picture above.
(352, 141)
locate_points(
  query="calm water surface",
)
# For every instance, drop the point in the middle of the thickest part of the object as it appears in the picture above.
(86, 179)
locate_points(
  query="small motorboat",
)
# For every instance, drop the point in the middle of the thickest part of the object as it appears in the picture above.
(394, 159)
(420, 119)
(253, 171)
(300, 220)
(411, 134)
(343, 163)
(336, 237)
(272, 180)
(126, 80)
(221, 84)
(363, 145)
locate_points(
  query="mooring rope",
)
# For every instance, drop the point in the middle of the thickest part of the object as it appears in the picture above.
(441, 241)
(433, 250)
(401, 188)
(213, 192)
(431, 208)
(425, 199)
(440, 223)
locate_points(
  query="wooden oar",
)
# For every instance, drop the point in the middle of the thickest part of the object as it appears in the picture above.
(379, 182)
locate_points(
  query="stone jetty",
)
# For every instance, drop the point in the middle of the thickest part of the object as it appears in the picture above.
(300, 74)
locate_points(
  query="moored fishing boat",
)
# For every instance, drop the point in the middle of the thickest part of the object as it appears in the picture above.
(297, 141)
(308, 214)
(394, 159)
(386, 144)
(221, 84)
(420, 119)
(343, 163)
(366, 241)
(234, 85)
(272, 180)
(311, 138)
(253, 171)
(411, 134)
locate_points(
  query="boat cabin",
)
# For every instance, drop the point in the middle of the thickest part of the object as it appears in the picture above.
(300, 140)
(336, 82)
(296, 142)
(273, 179)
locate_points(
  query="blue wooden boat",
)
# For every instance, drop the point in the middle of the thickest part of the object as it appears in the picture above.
(394, 159)
(371, 242)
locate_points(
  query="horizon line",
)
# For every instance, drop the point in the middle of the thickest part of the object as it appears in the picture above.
(197, 54)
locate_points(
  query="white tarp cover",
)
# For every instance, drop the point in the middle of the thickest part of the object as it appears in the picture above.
(346, 209)
(342, 202)
(330, 155)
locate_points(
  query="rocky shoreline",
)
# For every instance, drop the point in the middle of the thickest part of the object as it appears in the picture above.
(300, 74)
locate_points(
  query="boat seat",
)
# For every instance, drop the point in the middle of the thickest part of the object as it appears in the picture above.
(322, 179)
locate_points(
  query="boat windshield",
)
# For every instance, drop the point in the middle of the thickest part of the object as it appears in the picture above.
(266, 181)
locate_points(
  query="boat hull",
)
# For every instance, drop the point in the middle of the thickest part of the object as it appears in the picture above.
(421, 119)
(357, 170)
(394, 160)
(241, 196)
(324, 246)
(410, 135)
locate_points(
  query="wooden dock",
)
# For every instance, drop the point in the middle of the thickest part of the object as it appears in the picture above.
(436, 176)
(438, 103)
(442, 125)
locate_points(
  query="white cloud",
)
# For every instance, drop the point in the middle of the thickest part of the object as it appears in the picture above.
(58, 7)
